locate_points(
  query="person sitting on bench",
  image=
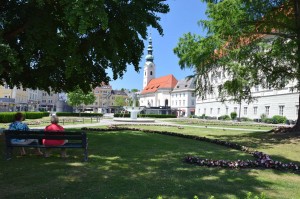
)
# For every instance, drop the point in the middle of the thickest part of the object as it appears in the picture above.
(55, 128)
(20, 126)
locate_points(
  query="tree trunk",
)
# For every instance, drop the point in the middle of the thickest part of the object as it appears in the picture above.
(240, 111)
(297, 23)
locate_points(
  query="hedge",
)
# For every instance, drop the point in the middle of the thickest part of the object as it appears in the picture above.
(7, 117)
(145, 115)
(68, 114)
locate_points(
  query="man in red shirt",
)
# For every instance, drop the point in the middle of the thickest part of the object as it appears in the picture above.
(54, 127)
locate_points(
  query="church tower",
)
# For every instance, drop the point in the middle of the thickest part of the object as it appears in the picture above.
(149, 67)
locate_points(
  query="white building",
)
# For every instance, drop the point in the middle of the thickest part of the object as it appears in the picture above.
(183, 97)
(270, 102)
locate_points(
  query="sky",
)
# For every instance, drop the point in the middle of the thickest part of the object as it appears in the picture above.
(182, 18)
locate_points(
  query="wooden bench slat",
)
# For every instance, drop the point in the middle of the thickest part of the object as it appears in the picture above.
(77, 140)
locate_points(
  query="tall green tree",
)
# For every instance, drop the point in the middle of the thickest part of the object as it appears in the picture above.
(78, 98)
(119, 101)
(63, 44)
(258, 41)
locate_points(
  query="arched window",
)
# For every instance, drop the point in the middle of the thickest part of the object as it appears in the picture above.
(166, 102)
(150, 72)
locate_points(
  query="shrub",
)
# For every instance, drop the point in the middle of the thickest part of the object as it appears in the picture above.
(224, 117)
(245, 119)
(263, 116)
(145, 115)
(6, 117)
(34, 115)
(203, 116)
(69, 114)
(267, 120)
(278, 119)
(233, 115)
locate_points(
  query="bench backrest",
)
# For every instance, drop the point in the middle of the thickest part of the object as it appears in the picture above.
(40, 134)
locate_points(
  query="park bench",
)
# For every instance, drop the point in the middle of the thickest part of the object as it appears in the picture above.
(75, 140)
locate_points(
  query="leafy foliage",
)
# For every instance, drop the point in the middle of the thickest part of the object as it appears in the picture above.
(257, 43)
(119, 101)
(63, 44)
(233, 115)
(78, 97)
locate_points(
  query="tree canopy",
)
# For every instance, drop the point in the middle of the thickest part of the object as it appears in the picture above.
(254, 42)
(120, 101)
(78, 97)
(62, 44)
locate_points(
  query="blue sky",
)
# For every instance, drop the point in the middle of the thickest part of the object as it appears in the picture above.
(182, 18)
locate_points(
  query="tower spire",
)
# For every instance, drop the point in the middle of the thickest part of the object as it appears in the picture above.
(150, 57)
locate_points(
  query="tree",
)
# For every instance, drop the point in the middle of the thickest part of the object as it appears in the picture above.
(119, 101)
(78, 98)
(257, 41)
(62, 44)
(134, 90)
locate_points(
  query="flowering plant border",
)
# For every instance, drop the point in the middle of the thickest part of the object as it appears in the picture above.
(262, 160)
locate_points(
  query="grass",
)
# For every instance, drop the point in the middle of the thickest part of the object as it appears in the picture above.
(131, 164)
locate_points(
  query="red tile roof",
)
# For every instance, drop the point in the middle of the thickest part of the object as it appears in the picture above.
(168, 81)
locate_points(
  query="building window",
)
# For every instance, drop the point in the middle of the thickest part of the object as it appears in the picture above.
(245, 110)
(255, 110)
(218, 110)
(183, 103)
(179, 102)
(226, 110)
(193, 102)
(204, 111)
(235, 109)
(256, 88)
(267, 110)
(281, 110)
(297, 109)
(145, 73)
(150, 72)
(193, 94)
(211, 111)
(199, 111)
(176, 102)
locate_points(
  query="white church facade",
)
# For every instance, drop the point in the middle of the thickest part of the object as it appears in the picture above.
(166, 91)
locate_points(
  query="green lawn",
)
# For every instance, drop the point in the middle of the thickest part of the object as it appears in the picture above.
(132, 164)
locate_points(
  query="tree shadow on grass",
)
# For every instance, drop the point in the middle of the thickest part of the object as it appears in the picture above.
(132, 165)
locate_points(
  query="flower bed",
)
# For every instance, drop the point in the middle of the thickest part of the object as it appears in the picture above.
(262, 160)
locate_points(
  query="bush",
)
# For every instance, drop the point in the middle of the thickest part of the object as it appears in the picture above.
(245, 119)
(267, 120)
(263, 116)
(145, 115)
(224, 117)
(69, 114)
(233, 115)
(278, 119)
(6, 117)
(34, 115)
